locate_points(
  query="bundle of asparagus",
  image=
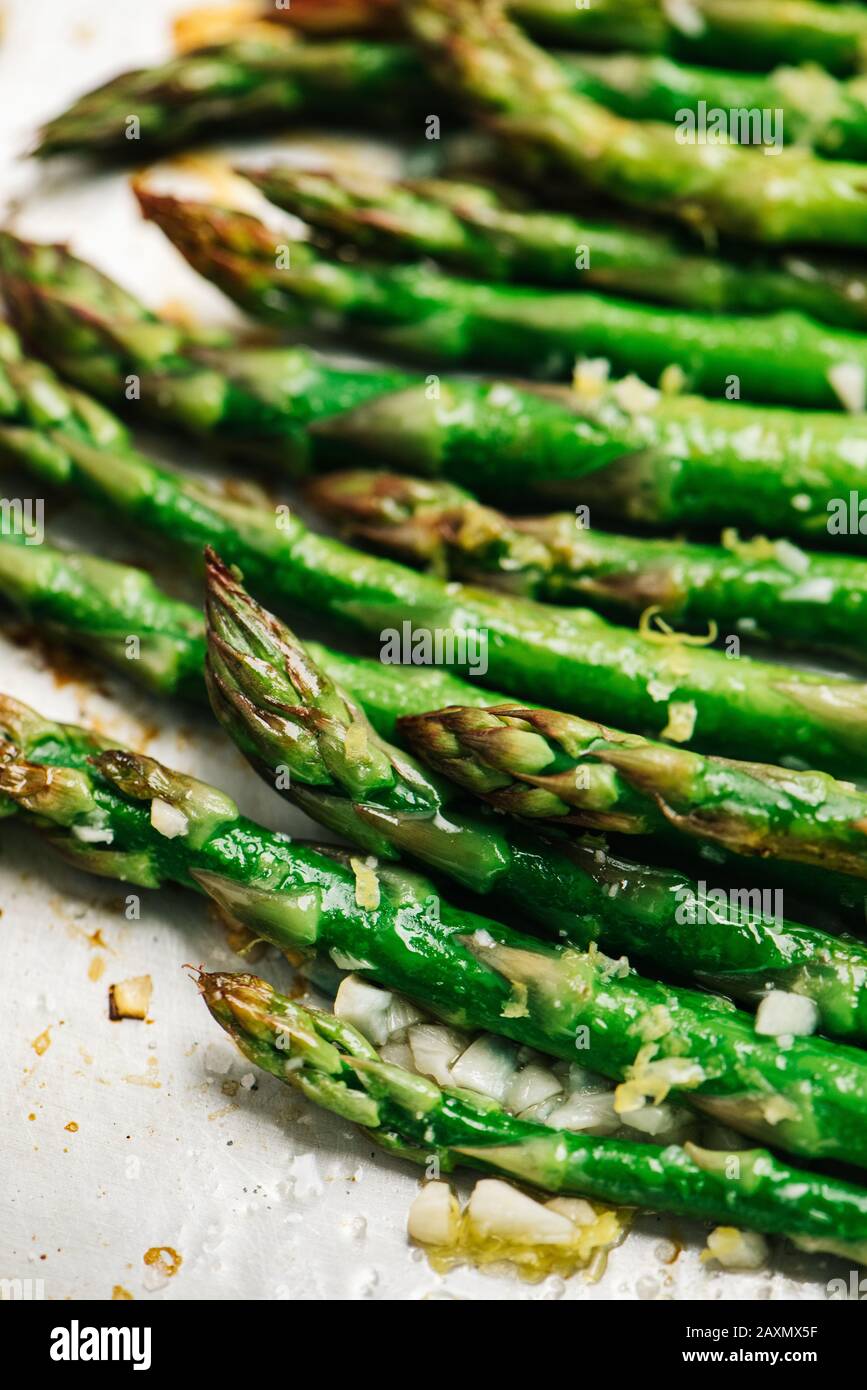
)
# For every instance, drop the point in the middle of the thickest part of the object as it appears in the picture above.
(567, 656)
(417, 311)
(679, 460)
(580, 891)
(764, 589)
(123, 815)
(619, 731)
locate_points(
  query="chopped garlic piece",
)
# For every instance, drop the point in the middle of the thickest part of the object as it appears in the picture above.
(847, 380)
(93, 834)
(683, 15)
(488, 1065)
(365, 1006)
(434, 1217)
(575, 1209)
(398, 1054)
(530, 1086)
(589, 379)
(355, 743)
(652, 1080)
(652, 1119)
(588, 1112)
(434, 1047)
(791, 557)
(736, 1249)
(672, 380)
(682, 715)
(498, 1209)
(168, 820)
(366, 883)
(130, 998)
(634, 395)
(780, 1013)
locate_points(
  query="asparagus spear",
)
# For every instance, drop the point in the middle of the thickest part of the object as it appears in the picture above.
(760, 588)
(123, 815)
(580, 890)
(752, 34)
(335, 1067)
(416, 310)
(114, 611)
(477, 232)
(309, 739)
(524, 96)
(676, 460)
(255, 80)
(815, 109)
(251, 76)
(544, 765)
(565, 656)
(118, 614)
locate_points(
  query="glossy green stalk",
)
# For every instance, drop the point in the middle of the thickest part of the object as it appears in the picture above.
(675, 460)
(577, 890)
(255, 81)
(123, 815)
(478, 232)
(331, 1064)
(783, 197)
(758, 588)
(543, 765)
(115, 612)
(755, 34)
(749, 34)
(421, 312)
(815, 109)
(559, 656)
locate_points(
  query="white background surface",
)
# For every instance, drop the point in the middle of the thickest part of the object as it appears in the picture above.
(261, 1196)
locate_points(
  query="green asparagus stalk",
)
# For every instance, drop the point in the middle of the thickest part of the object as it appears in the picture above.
(123, 815)
(559, 656)
(115, 612)
(524, 96)
(757, 588)
(814, 108)
(579, 890)
(309, 738)
(676, 460)
(253, 76)
(476, 231)
(416, 310)
(254, 81)
(752, 34)
(543, 765)
(331, 1064)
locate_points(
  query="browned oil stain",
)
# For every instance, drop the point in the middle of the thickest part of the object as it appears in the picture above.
(165, 1258)
(119, 1292)
(72, 1127)
(41, 1044)
(67, 667)
(95, 969)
